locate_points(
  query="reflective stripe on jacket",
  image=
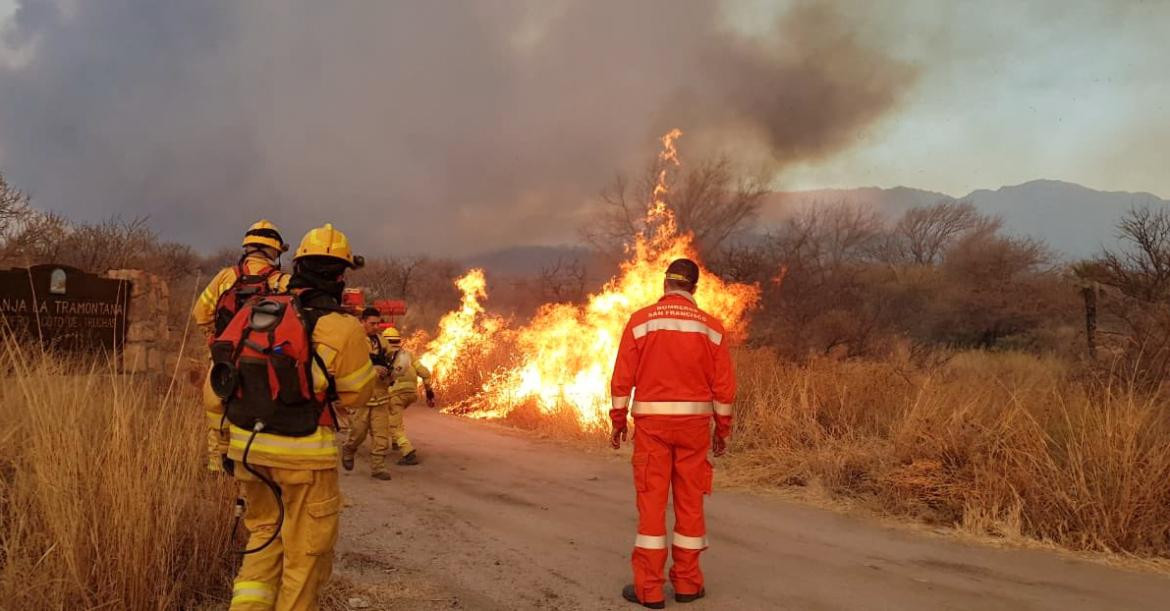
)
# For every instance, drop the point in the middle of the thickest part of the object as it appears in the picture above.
(676, 357)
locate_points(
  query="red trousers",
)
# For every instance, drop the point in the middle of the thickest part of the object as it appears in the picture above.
(670, 451)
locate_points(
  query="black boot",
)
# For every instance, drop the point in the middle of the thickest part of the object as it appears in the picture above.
(690, 598)
(409, 460)
(630, 594)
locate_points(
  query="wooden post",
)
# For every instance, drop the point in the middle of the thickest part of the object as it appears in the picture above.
(1089, 292)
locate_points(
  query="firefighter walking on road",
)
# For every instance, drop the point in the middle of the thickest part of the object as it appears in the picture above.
(405, 373)
(674, 361)
(373, 418)
(282, 365)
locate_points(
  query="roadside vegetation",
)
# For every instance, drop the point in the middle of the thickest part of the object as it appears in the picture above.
(1001, 444)
(929, 366)
(105, 500)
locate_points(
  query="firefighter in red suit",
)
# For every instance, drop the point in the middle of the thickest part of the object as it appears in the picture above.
(673, 362)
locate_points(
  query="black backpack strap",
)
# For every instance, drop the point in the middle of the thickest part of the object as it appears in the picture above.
(311, 314)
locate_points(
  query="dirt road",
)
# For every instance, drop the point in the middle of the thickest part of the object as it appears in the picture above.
(496, 520)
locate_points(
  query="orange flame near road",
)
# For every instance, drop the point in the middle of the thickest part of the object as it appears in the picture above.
(565, 354)
(462, 330)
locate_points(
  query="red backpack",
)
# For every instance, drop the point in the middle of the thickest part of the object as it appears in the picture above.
(263, 368)
(244, 288)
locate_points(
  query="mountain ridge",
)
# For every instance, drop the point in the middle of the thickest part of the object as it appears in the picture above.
(1075, 220)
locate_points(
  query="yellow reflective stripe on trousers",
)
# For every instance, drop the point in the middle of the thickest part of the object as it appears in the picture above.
(723, 409)
(650, 541)
(686, 542)
(319, 443)
(356, 380)
(671, 408)
(253, 592)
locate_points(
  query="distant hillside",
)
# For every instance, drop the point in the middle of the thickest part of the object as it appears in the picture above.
(1075, 220)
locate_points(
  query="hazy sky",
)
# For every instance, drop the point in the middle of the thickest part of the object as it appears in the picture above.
(457, 127)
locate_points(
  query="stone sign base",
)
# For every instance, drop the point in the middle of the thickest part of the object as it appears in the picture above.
(146, 336)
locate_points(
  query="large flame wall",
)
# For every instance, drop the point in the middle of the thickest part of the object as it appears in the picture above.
(565, 354)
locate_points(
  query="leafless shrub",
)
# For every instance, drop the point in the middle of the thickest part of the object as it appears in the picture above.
(562, 281)
(713, 200)
(1135, 288)
(924, 234)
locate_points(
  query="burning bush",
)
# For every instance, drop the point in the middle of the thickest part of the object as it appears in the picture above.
(563, 356)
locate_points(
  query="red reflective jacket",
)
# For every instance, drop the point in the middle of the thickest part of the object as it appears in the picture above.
(677, 358)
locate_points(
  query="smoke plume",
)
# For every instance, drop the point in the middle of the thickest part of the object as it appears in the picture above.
(441, 127)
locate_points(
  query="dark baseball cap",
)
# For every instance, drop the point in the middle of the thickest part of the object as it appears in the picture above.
(683, 270)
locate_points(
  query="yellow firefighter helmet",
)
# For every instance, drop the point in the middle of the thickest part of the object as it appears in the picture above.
(264, 233)
(325, 241)
(391, 335)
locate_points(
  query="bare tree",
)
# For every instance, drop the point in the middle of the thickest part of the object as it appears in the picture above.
(1136, 292)
(712, 200)
(1141, 271)
(563, 281)
(923, 235)
(825, 238)
(13, 207)
(408, 269)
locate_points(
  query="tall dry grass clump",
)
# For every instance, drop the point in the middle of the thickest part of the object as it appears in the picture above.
(999, 443)
(105, 501)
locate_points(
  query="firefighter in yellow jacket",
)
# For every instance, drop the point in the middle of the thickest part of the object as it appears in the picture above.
(288, 573)
(259, 265)
(373, 418)
(405, 372)
(258, 270)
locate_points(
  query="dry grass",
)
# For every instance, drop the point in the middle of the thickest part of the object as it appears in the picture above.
(1003, 444)
(104, 498)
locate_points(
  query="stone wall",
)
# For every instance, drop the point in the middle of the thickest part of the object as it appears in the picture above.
(147, 334)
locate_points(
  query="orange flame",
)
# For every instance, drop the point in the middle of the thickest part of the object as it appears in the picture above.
(565, 354)
(463, 329)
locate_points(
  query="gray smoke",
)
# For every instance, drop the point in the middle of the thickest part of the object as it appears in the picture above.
(441, 127)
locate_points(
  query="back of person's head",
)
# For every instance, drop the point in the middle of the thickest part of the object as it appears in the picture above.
(682, 275)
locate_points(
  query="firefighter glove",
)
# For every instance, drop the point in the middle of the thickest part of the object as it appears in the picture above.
(620, 433)
(718, 444)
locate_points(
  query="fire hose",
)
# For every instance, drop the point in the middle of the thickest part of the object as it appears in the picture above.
(276, 494)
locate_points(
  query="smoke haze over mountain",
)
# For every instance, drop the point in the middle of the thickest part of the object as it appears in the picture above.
(441, 127)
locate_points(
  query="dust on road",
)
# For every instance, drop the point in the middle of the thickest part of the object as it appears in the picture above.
(495, 519)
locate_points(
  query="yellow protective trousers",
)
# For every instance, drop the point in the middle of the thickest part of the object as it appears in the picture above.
(374, 421)
(287, 575)
(398, 405)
